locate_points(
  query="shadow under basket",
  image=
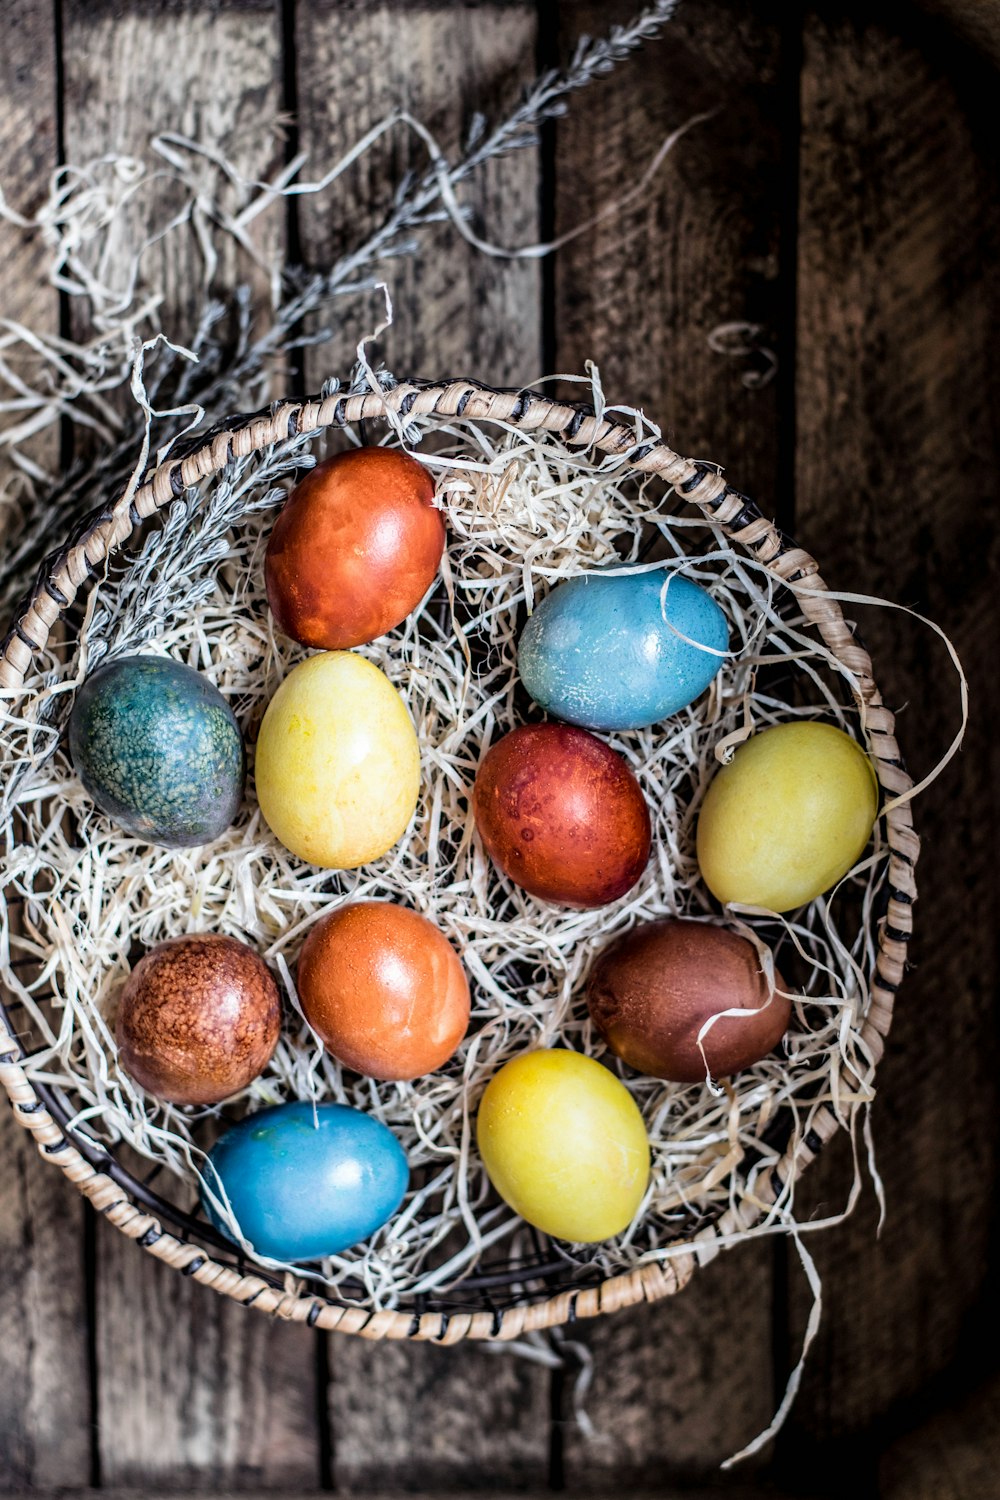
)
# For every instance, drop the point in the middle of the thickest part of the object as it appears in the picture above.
(498, 1299)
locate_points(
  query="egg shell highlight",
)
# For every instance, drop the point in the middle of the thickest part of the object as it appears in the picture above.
(159, 750)
(787, 817)
(615, 651)
(564, 1145)
(562, 815)
(306, 1181)
(337, 767)
(198, 1019)
(383, 989)
(652, 990)
(355, 548)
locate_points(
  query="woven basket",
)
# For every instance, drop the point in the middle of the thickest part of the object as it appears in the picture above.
(535, 1293)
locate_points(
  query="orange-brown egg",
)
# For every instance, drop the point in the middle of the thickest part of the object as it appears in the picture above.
(651, 992)
(355, 548)
(198, 1020)
(384, 990)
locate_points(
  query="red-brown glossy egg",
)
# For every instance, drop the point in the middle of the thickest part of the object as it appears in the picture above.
(198, 1020)
(561, 813)
(383, 989)
(355, 548)
(652, 991)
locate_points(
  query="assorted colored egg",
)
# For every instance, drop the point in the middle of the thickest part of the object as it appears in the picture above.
(652, 994)
(198, 1019)
(158, 748)
(355, 548)
(562, 815)
(338, 767)
(564, 1145)
(304, 1181)
(622, 651)
(383, 989)
(787, 817)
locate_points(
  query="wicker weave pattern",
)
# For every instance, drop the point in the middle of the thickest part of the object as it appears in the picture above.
(68, 570)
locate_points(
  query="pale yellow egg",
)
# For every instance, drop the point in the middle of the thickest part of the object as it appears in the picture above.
(787, 817)
(338, 766)
(564, 1144)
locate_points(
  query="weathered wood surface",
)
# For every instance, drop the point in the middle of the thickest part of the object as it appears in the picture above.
(845, 200)
(456, 310)
(212, 74)
(730, 1492)
(640, 295)
(45, 1401)
(952, 1455)
(898, 406)
(187, 1391)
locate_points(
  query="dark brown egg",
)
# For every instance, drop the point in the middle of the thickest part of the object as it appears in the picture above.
(355, 549)
(199, 1019)
(561, 813)
(652, 991)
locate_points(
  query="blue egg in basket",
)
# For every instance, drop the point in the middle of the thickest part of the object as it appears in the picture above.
(306, 1181)
(612, 651)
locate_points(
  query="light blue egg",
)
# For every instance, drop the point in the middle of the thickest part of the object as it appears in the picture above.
(306, 1182)
(607, 650)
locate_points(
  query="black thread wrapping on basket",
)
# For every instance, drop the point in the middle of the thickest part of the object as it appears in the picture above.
(896, 935)
(25, 638)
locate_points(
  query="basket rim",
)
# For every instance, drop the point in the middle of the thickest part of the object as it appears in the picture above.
(66, 571)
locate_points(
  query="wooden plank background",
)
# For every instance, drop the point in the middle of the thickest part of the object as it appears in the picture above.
(844, 198)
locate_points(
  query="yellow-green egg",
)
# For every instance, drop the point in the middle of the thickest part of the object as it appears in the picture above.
(564, 1144)
(338, 766)
(787, 817)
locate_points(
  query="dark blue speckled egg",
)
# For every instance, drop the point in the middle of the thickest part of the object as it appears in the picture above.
(159, 750)
(304, 1182)
(617, 651)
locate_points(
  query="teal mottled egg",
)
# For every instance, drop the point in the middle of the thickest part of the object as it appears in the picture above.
(159, 750)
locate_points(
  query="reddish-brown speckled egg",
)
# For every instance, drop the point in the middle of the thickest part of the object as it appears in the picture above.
(198, 1020)
(651, 992)
(561, 813)
(383, 989)
(355, 548)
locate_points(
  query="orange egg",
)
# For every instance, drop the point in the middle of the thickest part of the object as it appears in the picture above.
(384, 990)
(355, 548)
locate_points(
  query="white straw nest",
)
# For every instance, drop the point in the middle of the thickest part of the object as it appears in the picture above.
(82, 900)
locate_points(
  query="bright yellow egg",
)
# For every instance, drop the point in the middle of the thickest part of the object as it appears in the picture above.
(787, 817)
(338, 766)
(564, 1144)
